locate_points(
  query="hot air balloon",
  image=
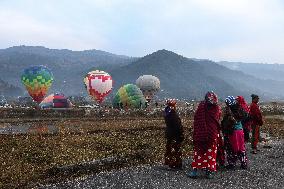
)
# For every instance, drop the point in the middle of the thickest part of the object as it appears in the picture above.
(149, 86)
(55, 101)
(37, 80)
(129, 96)
(98, 84)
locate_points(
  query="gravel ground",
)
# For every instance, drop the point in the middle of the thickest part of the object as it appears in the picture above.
(266, 171)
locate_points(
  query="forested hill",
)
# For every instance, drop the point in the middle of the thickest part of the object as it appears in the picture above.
(180, 77)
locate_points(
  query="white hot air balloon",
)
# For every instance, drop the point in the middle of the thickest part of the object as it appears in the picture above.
(149, 85)
(98, 84)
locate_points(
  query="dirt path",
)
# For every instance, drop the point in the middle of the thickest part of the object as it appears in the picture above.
(266, 171)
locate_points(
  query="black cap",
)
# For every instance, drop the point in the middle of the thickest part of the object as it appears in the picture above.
(253, 96)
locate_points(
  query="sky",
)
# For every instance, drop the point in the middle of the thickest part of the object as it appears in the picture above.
(219, 30)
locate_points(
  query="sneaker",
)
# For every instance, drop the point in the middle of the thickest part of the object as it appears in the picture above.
(192, 174)
(209, 174)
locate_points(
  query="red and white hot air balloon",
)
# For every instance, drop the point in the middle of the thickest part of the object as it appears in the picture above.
(98, 84)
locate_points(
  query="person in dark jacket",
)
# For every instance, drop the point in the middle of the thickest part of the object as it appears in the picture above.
(256, 122)
(174, 136)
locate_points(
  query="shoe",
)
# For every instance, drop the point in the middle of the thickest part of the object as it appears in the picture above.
(267, 146)
(230, 167)
(221, 166)
(209, 174)
(254, 151)
(244, 166)
(176, 166)
(192, 174)
(167, 161)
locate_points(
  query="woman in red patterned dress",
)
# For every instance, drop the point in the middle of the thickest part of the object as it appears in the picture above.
(206, 131)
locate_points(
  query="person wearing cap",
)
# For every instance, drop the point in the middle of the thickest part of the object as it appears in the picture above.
(206, 130)
(257, 121)
(174, 136)
(232, 128)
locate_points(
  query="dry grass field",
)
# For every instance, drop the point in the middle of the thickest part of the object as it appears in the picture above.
(28, 159)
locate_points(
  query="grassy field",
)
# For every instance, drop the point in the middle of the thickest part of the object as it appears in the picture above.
(27, 159)
(30, 159)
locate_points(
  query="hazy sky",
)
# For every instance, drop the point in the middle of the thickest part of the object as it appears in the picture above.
(233, 30)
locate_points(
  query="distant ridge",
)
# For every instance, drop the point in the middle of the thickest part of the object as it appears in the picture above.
(9, 90)
(181, 77)
(40, 50)
(262, 71)
(68, 67)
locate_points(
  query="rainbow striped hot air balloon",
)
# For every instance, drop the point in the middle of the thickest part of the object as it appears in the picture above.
(37, 80)
(129, 96)
(98, 84)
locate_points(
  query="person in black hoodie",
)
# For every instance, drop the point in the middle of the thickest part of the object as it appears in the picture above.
(174, 136)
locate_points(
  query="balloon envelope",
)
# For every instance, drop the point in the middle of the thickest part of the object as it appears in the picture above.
(55, 101)
(149, 85)
(37, 80)
(98, 84)
(129, 96)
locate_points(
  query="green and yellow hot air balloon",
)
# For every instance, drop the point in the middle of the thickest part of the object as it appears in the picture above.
(129, 96)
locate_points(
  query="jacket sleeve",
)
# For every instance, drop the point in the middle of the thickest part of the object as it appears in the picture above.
(180, 130)
(228, 122)
(245, 116)
(259, 117)
(256, 115)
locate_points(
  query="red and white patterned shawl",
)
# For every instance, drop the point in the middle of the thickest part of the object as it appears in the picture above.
(206, 126)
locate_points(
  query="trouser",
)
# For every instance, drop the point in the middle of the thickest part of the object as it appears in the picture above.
(246, 134)
(220, 151)
(255, 136)
(232, 156)
(173, 154)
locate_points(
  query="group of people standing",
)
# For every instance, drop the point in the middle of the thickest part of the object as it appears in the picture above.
(216, 138)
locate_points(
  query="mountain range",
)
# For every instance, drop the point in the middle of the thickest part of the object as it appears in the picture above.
(9, 90)
(265, 71)
(180, 77)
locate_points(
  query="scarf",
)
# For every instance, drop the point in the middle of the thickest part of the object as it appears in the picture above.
(243, 103)
(206, 126)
